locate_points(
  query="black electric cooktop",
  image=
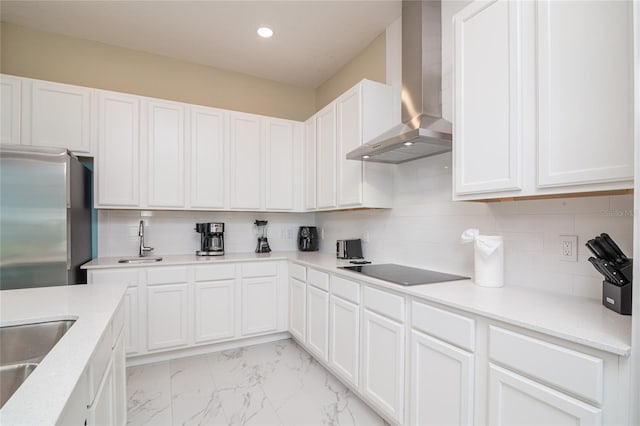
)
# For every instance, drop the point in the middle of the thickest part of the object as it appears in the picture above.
(403, 275)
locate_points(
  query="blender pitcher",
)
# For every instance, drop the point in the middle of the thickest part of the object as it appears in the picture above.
(261, 233)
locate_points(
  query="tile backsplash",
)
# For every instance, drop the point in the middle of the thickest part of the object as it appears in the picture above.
(172, 232)
(424, 227)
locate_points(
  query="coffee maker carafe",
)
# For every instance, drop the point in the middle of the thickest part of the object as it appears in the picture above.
(211, 238)
(261, 233)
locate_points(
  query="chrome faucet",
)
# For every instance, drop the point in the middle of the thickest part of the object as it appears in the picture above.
(143, 250)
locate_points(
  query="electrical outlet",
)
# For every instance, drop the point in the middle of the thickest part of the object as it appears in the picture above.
(291, 233)
(322, 233)
(366, 237)
(569, 248)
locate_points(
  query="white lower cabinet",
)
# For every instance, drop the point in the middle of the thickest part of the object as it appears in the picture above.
(259, 304)
(167, 317)
(383, 364)
(318, 322)
(441, 382)
(344, 330)
(120, 381)
(214, 310)
(516, 400)
(297, 309)
(102, 410)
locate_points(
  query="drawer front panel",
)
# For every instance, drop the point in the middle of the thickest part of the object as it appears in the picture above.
(387, 304)
(452, 328)
(318, 279)
(166, 275)
(298, 272)
(574, 371)
(117, 323)
(346, 289)
(259, 269)
(215, 272)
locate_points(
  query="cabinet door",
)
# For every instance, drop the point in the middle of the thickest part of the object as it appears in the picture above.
(279, 164)
(344, 354)
(318, 322)
(102, 410)
(297, 309)
(310, 163)
(207, 158)
(441, 383)
(259, 305)
(585, 92)
(132, 320)
(10, 96)
(119, 383)
(349, 137)
(516, 400)
(383, 364)
(167, 316)
(245, 169)
(488, 66)
(165, 154)
(59, 116)
(214, 313)
(117, 171)
(326, 157)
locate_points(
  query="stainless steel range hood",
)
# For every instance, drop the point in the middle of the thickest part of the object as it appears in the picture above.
(423, 131)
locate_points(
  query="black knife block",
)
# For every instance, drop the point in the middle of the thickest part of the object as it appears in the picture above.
(617, 297)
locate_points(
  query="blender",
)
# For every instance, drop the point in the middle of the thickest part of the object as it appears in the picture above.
(261, 233)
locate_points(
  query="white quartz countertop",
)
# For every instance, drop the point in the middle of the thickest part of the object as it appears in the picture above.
(42, 397)
(580, 320)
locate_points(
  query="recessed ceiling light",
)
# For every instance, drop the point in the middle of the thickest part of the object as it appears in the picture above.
(265, 32)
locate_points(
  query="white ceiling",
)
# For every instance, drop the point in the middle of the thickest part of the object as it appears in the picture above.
(312, 39)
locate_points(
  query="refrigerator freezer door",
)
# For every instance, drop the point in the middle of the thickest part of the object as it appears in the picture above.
(33, 217)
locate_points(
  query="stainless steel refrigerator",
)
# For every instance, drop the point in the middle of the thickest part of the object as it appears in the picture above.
(45, 217)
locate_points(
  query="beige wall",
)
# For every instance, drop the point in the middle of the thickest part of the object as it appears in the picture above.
(370, 64)
(48, 56)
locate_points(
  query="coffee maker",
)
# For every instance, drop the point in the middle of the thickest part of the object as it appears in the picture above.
(308, 238)
(261, 233)
(211, 238)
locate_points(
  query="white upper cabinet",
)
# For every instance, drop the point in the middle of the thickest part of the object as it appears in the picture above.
(280, 140)
(543, 101)
(57, 115)
(363, 112)
(245, 168)
(207, 158)
(488, 90)
(117, 167)
(326, 169)
(10, 96)
(165, 154)
(585, 92)
(310, 164)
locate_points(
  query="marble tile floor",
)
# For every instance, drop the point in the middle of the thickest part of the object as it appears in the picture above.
(275, 383)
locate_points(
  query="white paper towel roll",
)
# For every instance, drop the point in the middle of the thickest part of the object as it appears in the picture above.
(488, 257)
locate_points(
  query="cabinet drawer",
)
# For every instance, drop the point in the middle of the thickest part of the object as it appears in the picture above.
(347, 289)
(452, 328)
(215, 272)
(573, 371)
(117, 324)
(109, 276)
(387, 304)
(157, 275)
(298, 272)
(318, 279)
(259, 269)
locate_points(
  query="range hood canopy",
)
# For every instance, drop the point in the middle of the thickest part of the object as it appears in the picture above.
(423, 131)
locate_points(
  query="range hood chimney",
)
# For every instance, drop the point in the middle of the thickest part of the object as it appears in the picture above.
(423, 131)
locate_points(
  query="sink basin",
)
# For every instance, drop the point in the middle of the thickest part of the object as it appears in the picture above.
(22, 347)
(138, 259)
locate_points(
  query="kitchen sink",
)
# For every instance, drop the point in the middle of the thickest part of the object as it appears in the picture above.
(139, 259)
(22, 348)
